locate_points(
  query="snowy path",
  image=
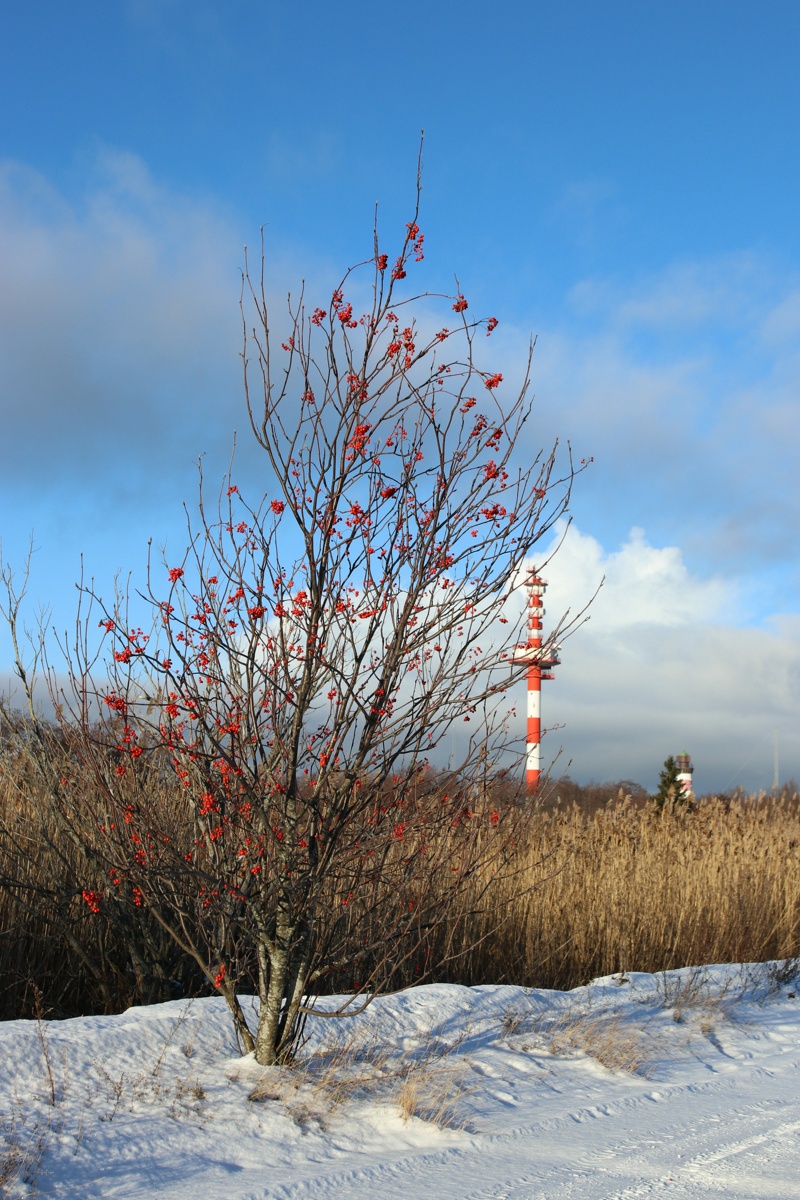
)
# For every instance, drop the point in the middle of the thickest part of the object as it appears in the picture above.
(156, 1102)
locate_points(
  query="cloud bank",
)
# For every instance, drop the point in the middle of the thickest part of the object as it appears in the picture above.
(661, 666)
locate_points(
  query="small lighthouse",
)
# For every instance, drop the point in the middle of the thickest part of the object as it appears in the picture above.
(539, 667)
(685, 769)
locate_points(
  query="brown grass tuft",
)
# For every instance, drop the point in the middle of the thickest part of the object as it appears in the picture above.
(424, 1082)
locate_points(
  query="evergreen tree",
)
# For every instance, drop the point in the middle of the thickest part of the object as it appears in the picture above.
(670, 788)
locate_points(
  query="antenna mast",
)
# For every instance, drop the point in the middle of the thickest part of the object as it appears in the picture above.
(540, 666)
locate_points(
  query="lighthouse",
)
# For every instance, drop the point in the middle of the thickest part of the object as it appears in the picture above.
(540, 664)
(685, 770)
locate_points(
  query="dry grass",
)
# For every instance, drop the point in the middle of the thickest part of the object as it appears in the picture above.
(22, 1144)
(24, 1136)
(425, 1082)
(591, 891)
(56, 957)
(628, 889)
(694, 993)
(603, 1033)
(616, 1044)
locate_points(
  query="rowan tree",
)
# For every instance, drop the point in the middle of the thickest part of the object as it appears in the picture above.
(311, 652)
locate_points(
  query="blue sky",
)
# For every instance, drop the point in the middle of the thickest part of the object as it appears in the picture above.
(619, 179)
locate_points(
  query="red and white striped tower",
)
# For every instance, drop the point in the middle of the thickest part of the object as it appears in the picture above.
(539, 668)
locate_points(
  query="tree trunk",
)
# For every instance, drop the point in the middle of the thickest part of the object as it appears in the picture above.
(272, 1001)
(243, 1035)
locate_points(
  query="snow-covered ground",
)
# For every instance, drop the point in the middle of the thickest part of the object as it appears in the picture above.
(685, 1084)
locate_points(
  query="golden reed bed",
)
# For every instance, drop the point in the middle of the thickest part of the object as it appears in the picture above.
(621, 887)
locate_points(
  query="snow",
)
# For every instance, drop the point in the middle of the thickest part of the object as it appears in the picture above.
(684, 1084)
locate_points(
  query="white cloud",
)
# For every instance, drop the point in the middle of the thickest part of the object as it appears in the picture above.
(643, 584)
(732, 290)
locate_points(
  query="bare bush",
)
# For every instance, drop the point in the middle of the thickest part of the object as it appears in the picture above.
(306, 657)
